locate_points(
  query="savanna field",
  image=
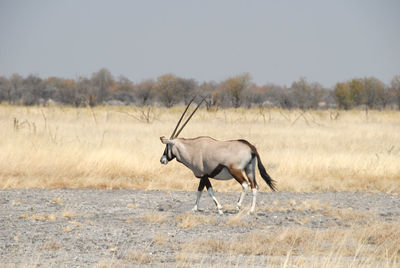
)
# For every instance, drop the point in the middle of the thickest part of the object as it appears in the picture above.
(119, 147)
(337, 204)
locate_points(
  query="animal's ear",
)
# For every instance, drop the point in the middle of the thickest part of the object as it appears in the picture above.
(166, 141)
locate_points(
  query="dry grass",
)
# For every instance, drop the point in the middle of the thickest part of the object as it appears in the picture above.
(160, 239)
(154, 217)
(51, 245)
(139, 257)
(190, 220)
(238, 219)
(57, 147)
(356, 246)
(69, 214)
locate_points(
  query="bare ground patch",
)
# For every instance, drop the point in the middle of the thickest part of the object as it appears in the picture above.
(108, 228)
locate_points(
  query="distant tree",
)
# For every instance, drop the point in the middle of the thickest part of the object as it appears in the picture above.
(17, 82)
(5, 89)
(189, 88)
(235, 87)
(101, 82)
(279, 96)
(368, 91)
(145, 92)
(33, 90)
(208, 89)
(374, 91)
(66, 91)
(342, 95)
(255, 95)
(169, 89)
(357, 91)
(122, 90)
(395, 88)
(86, 91)
(307, 95)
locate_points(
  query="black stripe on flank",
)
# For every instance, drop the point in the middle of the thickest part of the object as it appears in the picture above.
(216, 171)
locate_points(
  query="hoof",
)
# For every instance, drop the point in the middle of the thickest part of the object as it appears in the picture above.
(251, 212)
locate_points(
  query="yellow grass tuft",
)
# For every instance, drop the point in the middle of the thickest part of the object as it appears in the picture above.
(160, 239)
(51, 246)
(238, 219)
(131, 205)
(57, 201)
(68, 229)
(139, 257)
(68, 214)
(156, 217)
(52, 217)
(312, 152)
(190, 220)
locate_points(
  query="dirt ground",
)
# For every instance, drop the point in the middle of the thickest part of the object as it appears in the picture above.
(105, 228)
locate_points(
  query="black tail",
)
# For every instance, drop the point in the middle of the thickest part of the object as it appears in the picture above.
(271, 183)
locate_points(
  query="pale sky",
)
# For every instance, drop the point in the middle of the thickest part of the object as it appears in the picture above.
(275, 41)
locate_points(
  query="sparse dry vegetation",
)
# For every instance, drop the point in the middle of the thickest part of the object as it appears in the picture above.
(156, 217)
(190, 220)
(365, 245)
(139, 256)
(103, 147)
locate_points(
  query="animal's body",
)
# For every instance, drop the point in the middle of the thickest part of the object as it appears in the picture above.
(221, 160)
(194, 153)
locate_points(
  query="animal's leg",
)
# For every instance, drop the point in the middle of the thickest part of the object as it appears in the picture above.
(211, 193)
(251, 175)
(240, 178)
(202, 184)
(253, 204)
(245, 186)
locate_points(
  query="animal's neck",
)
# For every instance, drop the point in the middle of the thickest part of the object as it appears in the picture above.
(183, 151)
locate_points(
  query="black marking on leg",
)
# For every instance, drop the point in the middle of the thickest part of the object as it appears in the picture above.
(202, 183)
(206, 182)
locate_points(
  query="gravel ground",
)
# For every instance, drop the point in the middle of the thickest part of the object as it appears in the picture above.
(95, 228)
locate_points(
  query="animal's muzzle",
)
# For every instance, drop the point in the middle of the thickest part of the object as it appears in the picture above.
(164, 160)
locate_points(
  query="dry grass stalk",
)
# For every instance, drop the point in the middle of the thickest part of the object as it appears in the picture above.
(156, 217)
(160, 239)
(139, 257)
(51, 245)
(68, 214)
(190, 220)
(238, 219)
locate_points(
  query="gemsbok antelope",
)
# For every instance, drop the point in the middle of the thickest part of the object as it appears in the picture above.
(220, 160)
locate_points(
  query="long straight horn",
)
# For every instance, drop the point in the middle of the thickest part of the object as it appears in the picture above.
(189, 117)
(177, 125)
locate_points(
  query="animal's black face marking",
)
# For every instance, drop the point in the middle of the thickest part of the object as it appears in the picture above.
(168, 155)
